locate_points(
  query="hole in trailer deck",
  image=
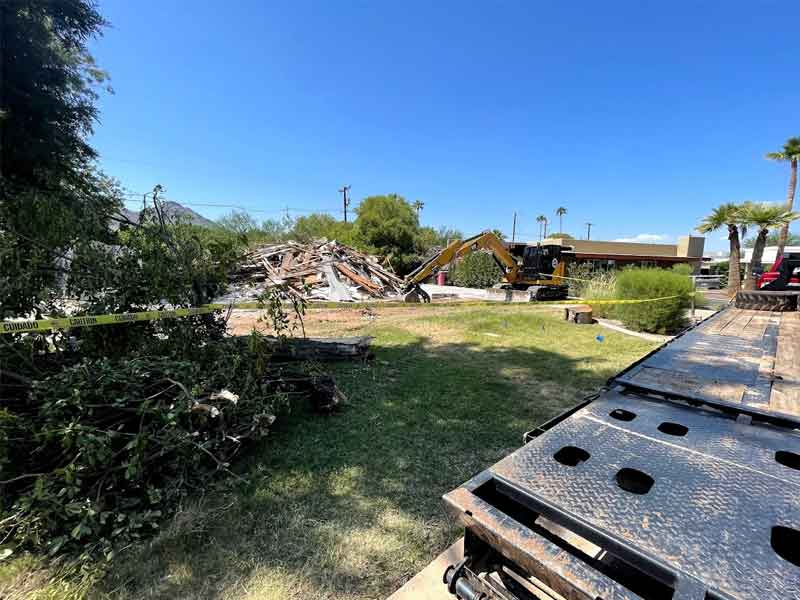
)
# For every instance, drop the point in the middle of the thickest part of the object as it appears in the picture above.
(786, 543)
(571, 456)
(634, 481)
(620, 414)
(788, 459)
(673, 429)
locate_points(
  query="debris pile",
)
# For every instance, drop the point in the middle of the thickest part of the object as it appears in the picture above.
(320, 270)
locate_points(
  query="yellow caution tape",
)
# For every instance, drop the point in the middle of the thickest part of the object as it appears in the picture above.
(94, 320)
(636, 301)
(42, 325)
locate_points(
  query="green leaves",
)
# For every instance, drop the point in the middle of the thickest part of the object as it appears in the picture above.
(476, 270)
(115, 443)
(656, 317)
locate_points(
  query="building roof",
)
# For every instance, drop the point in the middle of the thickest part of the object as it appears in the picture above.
(687, 247)
(770, 253)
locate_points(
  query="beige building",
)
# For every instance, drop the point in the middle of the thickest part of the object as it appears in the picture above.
(612, 255)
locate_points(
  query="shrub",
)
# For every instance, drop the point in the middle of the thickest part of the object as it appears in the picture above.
(601, 286)
(580, 273)
(662, 317)
(476, 270)
(597, 285)
(99, 450)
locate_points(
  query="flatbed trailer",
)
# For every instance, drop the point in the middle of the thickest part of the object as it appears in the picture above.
(679, 480)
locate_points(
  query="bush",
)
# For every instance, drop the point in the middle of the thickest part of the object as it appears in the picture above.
(662, 317)
(584, 282)
(101, 449)
(601, 286)
(476, 270)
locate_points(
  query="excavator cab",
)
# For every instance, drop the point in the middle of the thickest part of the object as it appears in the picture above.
(541, 261)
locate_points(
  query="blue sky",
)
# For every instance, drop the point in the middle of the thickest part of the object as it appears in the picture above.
(636, 116)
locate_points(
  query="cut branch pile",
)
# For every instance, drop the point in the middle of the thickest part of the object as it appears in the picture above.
(320, 270)
(94, 454)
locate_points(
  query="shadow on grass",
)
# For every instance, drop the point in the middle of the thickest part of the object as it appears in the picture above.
(348, 505)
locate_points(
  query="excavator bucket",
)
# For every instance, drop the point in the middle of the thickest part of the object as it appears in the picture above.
(416, 294)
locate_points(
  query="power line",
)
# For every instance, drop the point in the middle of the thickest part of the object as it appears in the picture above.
(246, 208)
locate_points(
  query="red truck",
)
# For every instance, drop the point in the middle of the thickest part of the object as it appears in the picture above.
(781, 274)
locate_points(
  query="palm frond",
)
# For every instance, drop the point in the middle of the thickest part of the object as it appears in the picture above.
(722, 215)
(766, 215)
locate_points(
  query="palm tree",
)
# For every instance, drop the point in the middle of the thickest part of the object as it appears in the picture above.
(560, 212)
(541, 219)
(418, 206)
(764, 216)
(789, 153)
(728, 215)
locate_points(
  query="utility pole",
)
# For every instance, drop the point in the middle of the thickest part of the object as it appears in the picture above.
(345, 200)
(514, 229)
(589, 230)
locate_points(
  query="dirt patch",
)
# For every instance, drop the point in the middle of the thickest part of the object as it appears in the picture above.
(322, 321)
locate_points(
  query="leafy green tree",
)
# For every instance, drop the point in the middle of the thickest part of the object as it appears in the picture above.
(274, 230)
(789, 153)
(476, 270)
(387, 225)
(728, 215)
(53, 197)
(239, 222)
(428, 239)
(446, 234)
(764, 216)
(313, 227)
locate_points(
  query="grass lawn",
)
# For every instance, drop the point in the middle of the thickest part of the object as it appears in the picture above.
(348, 506)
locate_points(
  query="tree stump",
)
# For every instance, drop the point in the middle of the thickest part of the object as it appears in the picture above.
(582, 315)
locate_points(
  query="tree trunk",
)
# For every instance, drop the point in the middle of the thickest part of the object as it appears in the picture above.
(789, 204)
(734, 264)
(755, 261)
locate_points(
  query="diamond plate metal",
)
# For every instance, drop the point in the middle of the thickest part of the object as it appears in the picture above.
(717, 494)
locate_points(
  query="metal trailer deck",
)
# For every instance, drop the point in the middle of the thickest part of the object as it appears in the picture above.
(679, 480)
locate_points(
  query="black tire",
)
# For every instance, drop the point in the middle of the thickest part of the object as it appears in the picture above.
(765, 300)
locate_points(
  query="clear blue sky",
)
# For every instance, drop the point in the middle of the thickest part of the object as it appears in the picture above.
(637, 116)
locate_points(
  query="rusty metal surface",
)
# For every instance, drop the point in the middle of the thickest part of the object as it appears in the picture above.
(565, 574)
(706, 521)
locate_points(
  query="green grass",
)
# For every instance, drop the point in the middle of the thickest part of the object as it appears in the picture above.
(348, 506)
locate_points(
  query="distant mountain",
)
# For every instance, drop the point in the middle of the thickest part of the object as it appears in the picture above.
(174, 210)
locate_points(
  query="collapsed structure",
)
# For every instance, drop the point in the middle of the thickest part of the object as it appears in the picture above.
(320, 270)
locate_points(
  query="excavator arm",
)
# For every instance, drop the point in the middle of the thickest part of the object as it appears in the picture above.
(483, 241)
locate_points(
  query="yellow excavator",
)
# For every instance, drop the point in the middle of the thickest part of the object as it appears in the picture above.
(540, 269)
